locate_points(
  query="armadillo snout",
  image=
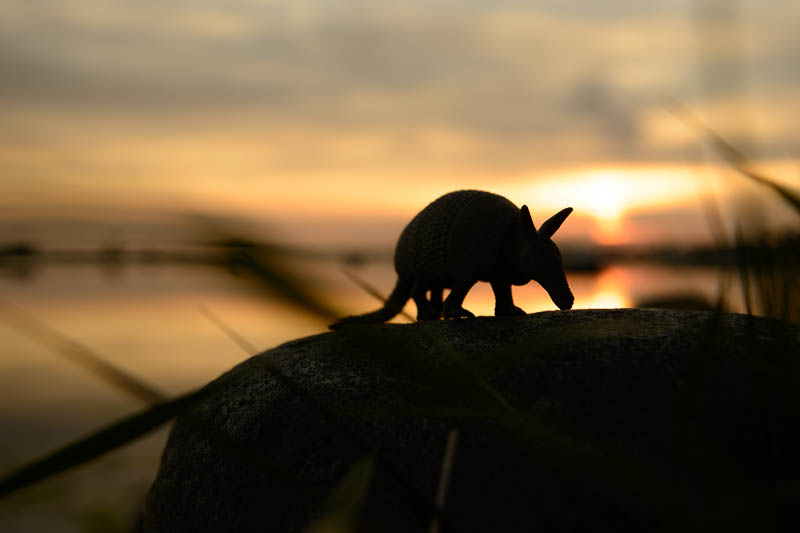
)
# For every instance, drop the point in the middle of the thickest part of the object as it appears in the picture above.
(558, 289)
(564, 301)
(566, 304)
(561, 295)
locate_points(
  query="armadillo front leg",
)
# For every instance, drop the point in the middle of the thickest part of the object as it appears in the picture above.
(454, 300)
(503, 301)
(436, 300)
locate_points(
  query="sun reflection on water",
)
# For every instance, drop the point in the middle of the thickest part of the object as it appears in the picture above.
(609, 292)
(605, 299)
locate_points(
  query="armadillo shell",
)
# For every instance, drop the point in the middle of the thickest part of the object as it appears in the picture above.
(457, 236)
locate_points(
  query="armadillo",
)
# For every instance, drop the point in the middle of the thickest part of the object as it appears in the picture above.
(468, 236)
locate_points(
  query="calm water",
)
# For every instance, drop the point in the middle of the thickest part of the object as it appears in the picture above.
(146, 320)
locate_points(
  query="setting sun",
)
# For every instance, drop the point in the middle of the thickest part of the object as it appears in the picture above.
(178, 175)
(607, 195)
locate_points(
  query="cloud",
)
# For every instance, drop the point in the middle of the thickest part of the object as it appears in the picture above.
(499, 85)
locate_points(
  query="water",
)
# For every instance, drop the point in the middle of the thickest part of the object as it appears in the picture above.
(146, 320)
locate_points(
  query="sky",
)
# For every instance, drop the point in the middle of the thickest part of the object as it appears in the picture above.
(331, 122)
(314, 113)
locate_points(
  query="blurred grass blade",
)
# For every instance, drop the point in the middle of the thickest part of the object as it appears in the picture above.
(738, 161)
(108, 439)
(438, 340)
(264, 267)
(444, 476)
(471, 371)
(372, 291)
(118, 434)
(342, 509)
(735, 158)
(243, 343)
(447, 467)
(743, 268)
(76, 352)
(422, 503)
(714, 220)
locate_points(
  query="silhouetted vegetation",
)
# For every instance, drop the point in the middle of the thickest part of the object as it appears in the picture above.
(766, 267)
(757, 269)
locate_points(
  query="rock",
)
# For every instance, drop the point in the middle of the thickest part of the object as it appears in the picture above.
(628, 419)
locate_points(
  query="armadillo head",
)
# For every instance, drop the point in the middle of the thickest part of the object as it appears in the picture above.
(539, 258)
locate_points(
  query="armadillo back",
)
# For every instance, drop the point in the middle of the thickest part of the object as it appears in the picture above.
(457, 234)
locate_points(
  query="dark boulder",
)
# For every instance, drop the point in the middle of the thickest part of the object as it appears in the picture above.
(627, 419)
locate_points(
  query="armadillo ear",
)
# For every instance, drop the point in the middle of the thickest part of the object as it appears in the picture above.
(526, 223)
(551, 225)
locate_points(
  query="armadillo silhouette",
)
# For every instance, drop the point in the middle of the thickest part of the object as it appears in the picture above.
(468, 236)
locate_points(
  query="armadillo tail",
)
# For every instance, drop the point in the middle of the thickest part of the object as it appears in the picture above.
(397, 300)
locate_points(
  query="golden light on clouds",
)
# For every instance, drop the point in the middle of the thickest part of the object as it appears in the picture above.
(284, 109)
(606, 197)
(608, 194)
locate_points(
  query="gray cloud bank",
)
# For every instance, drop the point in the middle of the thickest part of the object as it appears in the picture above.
(508, 83)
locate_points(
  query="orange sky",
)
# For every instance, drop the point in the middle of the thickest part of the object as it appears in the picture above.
(291, 111)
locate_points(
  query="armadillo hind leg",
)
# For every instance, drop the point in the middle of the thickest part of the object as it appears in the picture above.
(503, 301)
(454, 301)
(425, 309)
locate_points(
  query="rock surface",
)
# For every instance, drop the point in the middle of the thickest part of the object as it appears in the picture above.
(596, 419)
